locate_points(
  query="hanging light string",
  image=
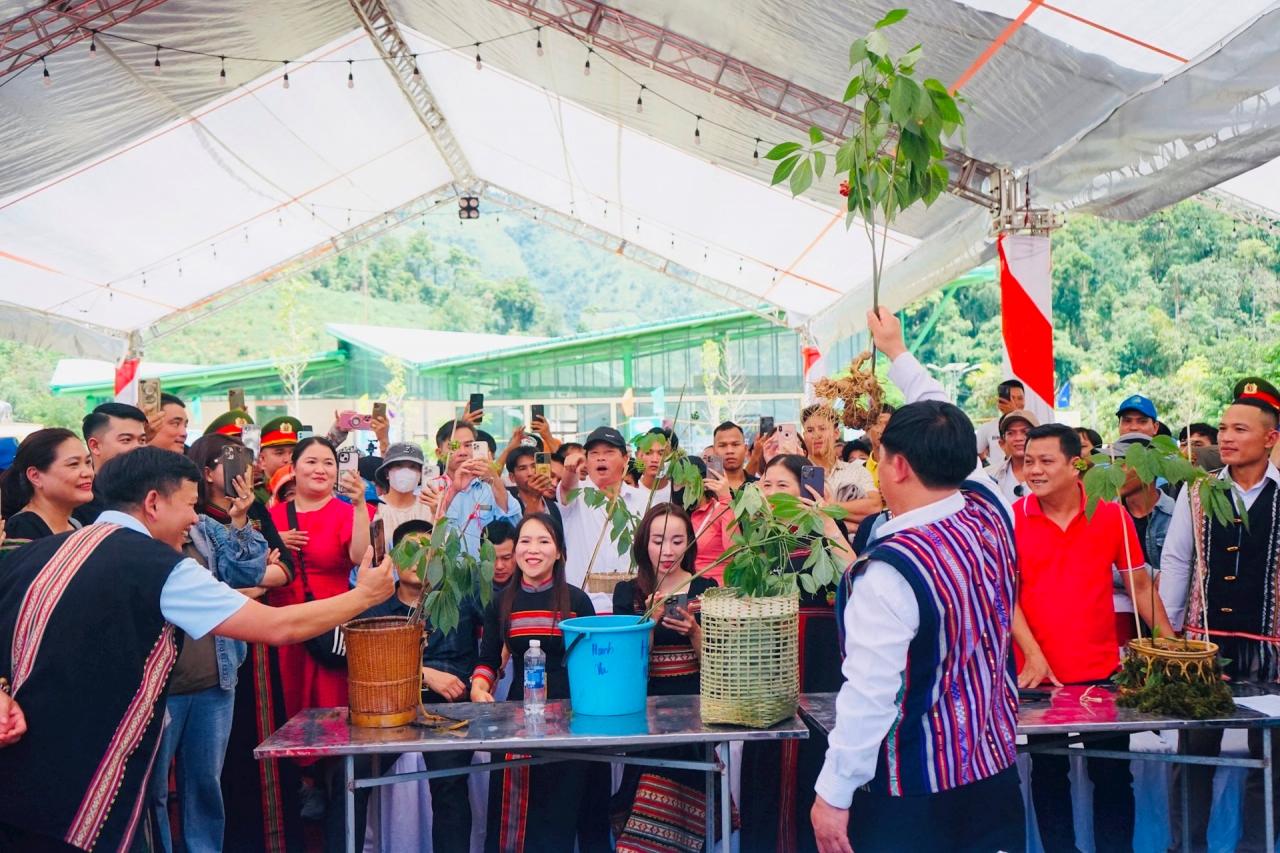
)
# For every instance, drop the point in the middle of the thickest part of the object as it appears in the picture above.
(698, 120)
(95, 36)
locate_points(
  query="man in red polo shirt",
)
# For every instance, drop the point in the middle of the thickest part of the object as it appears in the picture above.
(1064, 623)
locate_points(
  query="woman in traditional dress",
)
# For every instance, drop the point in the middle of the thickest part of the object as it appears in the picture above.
(545, 807)
(660, 809)
(777, 779)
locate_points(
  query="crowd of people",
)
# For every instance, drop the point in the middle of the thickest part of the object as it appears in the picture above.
(173, 613)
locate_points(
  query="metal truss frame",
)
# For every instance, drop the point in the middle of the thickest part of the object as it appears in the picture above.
(379, 22)
(30, 37)
(720, 74)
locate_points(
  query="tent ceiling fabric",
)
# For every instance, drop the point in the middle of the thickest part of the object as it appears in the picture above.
(127, 195)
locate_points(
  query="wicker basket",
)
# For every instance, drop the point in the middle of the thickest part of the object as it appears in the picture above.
(384, 671)
(750, 658)
(1185, 660)
(606, 581)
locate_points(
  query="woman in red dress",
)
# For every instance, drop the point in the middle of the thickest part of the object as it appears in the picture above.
(330, 537)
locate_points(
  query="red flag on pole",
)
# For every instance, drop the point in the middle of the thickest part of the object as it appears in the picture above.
(126, 384)
(1026, 317)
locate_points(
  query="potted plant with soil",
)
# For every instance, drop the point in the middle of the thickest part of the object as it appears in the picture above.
(384, 654)
(1179, 677)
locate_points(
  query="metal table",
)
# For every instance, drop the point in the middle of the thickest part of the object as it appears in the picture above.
(501, 727)
(1081, 714)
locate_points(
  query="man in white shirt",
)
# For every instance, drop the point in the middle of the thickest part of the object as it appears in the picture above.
(1013, 440)
(586, 529)
(1011, 395)
(925, 766)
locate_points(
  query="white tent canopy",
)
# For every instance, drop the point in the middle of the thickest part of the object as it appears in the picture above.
(130, 195)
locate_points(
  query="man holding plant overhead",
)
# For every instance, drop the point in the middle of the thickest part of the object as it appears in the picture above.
(925, 766)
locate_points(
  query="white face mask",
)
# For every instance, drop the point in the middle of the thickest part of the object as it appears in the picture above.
(403, 479)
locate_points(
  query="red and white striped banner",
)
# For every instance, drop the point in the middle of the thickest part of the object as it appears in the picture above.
(127, 381)
(1026, 318)
(814, 367)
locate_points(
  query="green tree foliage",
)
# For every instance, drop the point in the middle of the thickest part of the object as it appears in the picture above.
(1177, 306)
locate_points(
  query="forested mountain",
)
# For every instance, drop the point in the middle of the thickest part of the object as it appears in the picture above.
(1177, 306)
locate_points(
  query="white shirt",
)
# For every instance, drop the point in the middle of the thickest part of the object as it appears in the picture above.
(582, 530)
(1179, 546)
(850, 481)
(1007, 482)
(881, 619)
(988, 436)
(192, 598)
(880, 622)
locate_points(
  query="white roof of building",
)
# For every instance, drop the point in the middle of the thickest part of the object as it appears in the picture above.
(131, 196)
(418, 346)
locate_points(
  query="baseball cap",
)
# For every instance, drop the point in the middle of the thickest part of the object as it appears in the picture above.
(404, 451)
(1140, 404)
(605, 435)
(1019, 415)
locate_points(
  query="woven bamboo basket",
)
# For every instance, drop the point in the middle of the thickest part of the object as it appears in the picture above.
(1186, 660)
(384, 671)
(606, 581)
(750, 658)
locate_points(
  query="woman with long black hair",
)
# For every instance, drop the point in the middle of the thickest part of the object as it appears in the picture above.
(51, 475)
(659, 809)
(546, 807)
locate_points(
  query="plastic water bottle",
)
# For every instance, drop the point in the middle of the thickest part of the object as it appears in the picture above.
(535, 678)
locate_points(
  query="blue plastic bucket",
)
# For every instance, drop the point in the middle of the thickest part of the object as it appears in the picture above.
(608, 664)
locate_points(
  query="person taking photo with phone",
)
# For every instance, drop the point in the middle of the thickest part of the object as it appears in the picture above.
(532, 486)
(474, 495)
(51, 476)
(851, 484)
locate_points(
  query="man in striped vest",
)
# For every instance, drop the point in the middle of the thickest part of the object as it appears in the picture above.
(90, 626)
(924, 742)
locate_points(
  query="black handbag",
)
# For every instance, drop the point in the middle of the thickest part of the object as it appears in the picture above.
(330, 648)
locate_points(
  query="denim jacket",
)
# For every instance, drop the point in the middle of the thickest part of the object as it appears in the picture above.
(1153, 540)
(238, 558)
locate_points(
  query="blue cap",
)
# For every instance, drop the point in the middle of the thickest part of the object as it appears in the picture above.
(1140, 404)
(8, 450)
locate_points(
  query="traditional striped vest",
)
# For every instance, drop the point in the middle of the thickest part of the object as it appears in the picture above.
(958, 704)
(88, 654)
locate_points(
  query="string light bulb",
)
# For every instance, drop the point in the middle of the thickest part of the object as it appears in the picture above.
(479, 61)
(286, 74)
(755, 155)
(156, 64)
(222, 74)
(46, 79)
(93, 41)
(539, 30)
(351, 74)
(640, 99)
(697, 131)
(586, 66)
(416, 72)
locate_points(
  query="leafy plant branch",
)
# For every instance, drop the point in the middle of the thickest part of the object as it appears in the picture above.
(895, 156)
(449, 573)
